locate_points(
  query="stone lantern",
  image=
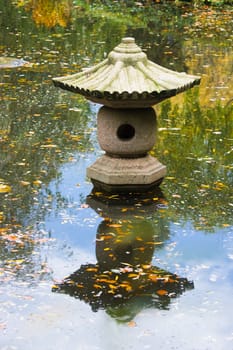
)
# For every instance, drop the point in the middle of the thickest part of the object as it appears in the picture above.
(128, 85)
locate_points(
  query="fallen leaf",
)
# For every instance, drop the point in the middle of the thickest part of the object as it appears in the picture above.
(37, 182)
(132, 324)
(1, 216)
(48, 146)
(153, 277)
(2, 325)
(176, 196)
(24, 183)
(4, 188)
(92, 269)
(162, 292)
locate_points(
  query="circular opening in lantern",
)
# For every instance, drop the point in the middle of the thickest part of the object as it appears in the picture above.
(125, 132)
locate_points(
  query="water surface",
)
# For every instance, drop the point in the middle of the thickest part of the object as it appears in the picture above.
(49, 224)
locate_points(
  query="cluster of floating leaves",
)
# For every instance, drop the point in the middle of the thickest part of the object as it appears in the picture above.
(23, 254)
(102, 288)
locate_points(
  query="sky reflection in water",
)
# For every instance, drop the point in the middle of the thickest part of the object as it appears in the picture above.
(203, 257)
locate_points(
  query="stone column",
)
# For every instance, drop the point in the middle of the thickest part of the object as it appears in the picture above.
(126, 136)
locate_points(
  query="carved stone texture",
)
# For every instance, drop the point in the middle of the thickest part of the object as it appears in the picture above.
(135, 174)
(126, 132)
(127, 79)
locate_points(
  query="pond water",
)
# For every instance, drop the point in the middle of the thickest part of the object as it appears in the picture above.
(123, 256)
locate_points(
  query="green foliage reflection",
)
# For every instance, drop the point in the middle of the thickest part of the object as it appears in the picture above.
(35, 139)
(196, 145)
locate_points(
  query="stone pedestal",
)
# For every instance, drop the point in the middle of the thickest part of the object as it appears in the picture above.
(126, 135)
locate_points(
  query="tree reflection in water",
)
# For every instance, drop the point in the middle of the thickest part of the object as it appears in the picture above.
(123, 281)
(50, 12)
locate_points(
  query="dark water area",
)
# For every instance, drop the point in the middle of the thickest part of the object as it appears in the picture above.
(91, 271)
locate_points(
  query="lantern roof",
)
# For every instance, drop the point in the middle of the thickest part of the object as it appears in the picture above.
(127, 79)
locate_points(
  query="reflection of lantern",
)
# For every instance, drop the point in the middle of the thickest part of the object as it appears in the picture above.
(128, 84)
(131, 242)
(123, 281)
(126, 236)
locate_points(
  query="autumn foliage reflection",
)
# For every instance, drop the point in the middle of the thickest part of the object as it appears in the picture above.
(50, 12)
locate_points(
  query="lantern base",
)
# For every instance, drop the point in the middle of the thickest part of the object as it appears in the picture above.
(110, 174)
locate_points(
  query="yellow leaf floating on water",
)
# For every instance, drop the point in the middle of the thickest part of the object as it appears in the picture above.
(103, 238)
(146, 266)
(48, 146)
(175, 195)
(75, 137)
(37, 182)
(97, 286)
(132, 324)
(153, 277)
(2, 325)
(115, 225)
(24, 183)
(4, 188)
(105, 280)
(133, 275)
(219, 186)
(92, 269)
(226, 225)
(1, 216)
(13, 238)
(126, 286)
(112, 287)
(55, 287)
(204, 186)
(4, 230)
(162, 292)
